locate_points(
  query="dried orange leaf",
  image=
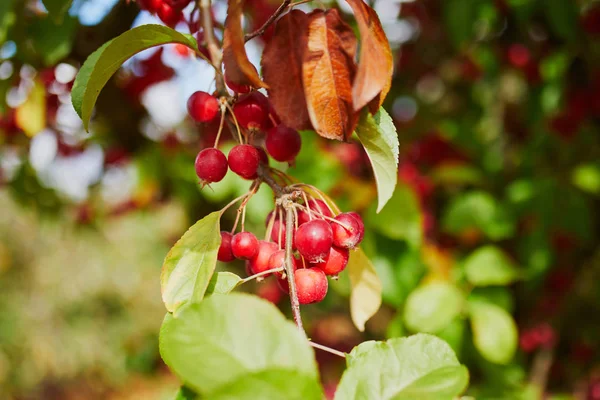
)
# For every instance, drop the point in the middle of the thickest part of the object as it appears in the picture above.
(238, 67)
(327, 72)
(282, 69)
(376, 63)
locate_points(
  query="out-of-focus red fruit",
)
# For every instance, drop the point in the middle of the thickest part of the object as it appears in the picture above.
(182, 50)
(151, 6)
(178, 4)
(283, 143)
(409, 174)
(591, 21)
(260, 263)
(225, 254)
(314, 240)
(211, 165)
(244, 160)
(347, 235)
(311, 284)
(269, 290)
(518, 55)
(244, 245)
(202, 107)
(252, 111)
(169, 15)
(335, 262)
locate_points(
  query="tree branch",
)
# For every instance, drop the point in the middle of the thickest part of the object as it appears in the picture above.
(289, 264)
(269, 22)
(216, 56)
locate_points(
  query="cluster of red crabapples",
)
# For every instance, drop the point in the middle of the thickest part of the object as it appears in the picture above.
(321, 246)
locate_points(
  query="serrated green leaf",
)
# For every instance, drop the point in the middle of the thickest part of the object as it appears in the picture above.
(418, 367)
(57, 8)
(226, 340)
(365, 298)
(488, 265)
(378, 135)
(494, 331)
(105, 61)
(401, 218)
(223, 283)
(190, 264)
(431, 307)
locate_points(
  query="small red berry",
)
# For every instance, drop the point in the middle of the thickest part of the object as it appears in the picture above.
(311, 284)
(342, 237)
(315, 205)
(244, 160)
(272, 214)
(244, 245)
(264, 158)
(277, 260)
(225, 254)
(236, 88)
(252, 111)
(361, 225)
(269, 291)
(334, 263)
(169, 15)
(202, 107)
(151, 6)
(314, 240)
(178, 4)
(260, 262)
(283, 143)
(211, 165)
(279, 227)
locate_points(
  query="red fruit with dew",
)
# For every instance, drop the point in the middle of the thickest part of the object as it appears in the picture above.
(211, 165)
(169, 15)
(346, 233)
(311, 285)
(225, 254)
(202, 107)
(283, 143)
(244, 245)
(314, 240)
(252, 111)
(260, 262)
(244, 160)
(335, 262)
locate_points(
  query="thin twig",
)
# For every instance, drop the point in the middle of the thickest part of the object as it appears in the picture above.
(327, 349)
(223, 109)
(216, 56)
(272, 18)
(289, 265)
(261, 274)
(541, 368)
(297, 3)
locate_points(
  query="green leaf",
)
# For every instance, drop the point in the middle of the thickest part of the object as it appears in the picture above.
(52, 41)
(237, 346)
(378, 135)
(57, 8)
(185, 394)
(190, 264)
(418, 367)
(494, 331)
(365, 298)
(223, 283)
(478, 210)
(563, 18)
(456, 174)
(459, 16)
(488, 265)
(587, 177)
(431, 307)
(7, 18)
(401, 218)
(105, 61)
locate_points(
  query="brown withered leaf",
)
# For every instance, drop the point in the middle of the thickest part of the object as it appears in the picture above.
(376, 63)
(238, 67)
(328, 70)
(282, 69)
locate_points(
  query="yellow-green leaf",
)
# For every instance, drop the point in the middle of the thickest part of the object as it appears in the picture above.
(31, 115)
(365, 298)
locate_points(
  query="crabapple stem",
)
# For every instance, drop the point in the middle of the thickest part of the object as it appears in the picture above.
(237, 126)
(325, 217)
(267, 272)
(272, 18)
(211, 43)
(221, 122)
(327, 349)
(289, 264)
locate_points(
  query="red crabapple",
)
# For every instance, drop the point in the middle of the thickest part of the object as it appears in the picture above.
(315, 205)
(252, 111)
(260, 262)
(334, 263)
(202, 107)
(277, 260)
(151, 6)
(244, 245)
(314, 240)
(169, 15)
(311, 284)
(283, 143)
(178, 4)
(244, 160)
(225, 254)
(211, 165)
(342, 237)
(278, 226)
(241, 89)
(361, 225)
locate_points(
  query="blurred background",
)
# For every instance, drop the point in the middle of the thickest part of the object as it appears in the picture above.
(497, 106)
